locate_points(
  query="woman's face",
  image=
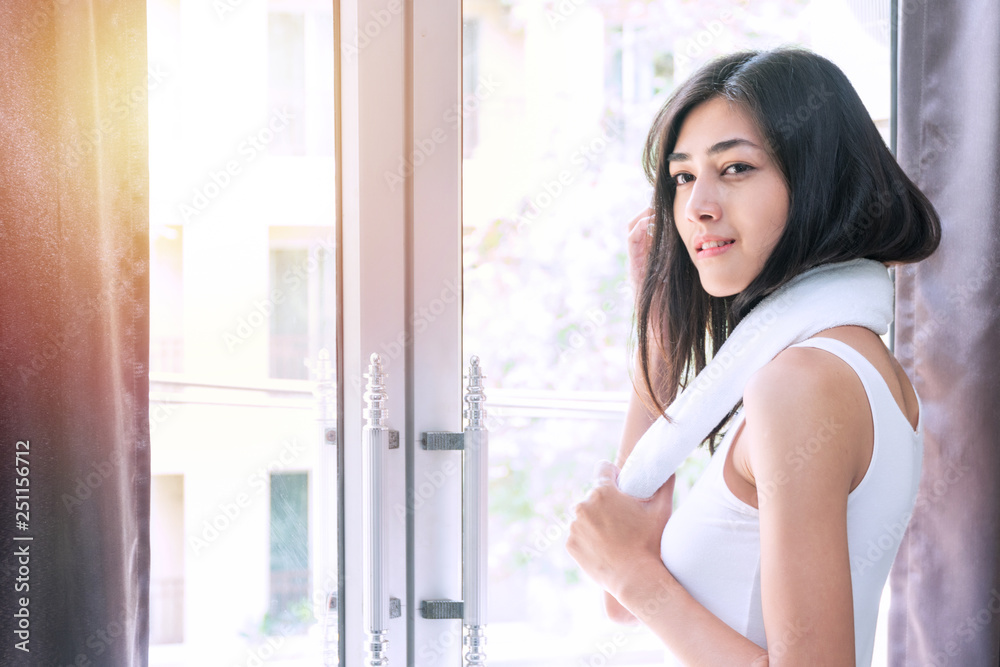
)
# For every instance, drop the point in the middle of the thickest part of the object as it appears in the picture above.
(731, 203)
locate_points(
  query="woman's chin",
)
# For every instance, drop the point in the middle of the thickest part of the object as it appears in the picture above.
(721, 288)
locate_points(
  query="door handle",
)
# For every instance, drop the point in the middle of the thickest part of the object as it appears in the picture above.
(376, 438)
(475, 495)
(474, 444)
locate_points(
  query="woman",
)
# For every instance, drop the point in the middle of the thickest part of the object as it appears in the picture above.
(765, 166)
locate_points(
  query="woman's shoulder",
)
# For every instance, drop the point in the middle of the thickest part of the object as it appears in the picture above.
(802, 396)
(808, 379)
(816, 373)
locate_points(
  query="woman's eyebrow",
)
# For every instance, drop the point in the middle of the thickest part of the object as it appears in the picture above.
(720, 147)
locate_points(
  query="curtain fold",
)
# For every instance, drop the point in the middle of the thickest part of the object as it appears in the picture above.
(946, 578)
(74, 333)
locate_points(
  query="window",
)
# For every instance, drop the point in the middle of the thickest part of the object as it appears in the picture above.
(166, 567)
(470, 76)
(301, 304)
(289, 319)
(290, 607)
(166, 335)
(300, 79)
(286, 79)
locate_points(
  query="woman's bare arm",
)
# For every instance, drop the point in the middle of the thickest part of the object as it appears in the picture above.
(638, 419)
(805, 568)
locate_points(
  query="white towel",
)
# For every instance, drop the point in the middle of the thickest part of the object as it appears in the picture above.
(857, 292)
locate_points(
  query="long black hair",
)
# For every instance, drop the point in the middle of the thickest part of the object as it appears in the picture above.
(848, 199)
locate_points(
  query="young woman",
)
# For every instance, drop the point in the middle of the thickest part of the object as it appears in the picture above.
(765, 165)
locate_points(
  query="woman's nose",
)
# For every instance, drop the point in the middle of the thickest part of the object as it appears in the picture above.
(703, 202)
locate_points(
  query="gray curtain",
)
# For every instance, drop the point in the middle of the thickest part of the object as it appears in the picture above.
(74, 567)
(946, 578)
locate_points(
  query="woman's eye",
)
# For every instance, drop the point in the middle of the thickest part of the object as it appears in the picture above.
(737, 168)
(681, 178)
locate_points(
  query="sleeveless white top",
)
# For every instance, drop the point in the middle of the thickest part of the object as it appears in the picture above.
(711, 544)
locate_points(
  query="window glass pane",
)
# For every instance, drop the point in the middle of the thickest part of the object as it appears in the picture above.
(166, 567)
(242, 283)
(286, 77)
(290, 608)
(561, 96)
(166, 353)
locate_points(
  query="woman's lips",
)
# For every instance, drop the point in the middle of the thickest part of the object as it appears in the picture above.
(712, 252)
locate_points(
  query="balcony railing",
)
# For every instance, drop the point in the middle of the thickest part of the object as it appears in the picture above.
(178, 388)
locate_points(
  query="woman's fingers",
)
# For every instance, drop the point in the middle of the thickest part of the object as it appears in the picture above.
(612, 530)
(646, 215)
(639, 238)
(606, 473)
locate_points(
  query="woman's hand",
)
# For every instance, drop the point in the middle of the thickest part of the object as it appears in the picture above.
(614, 535)
(639, 238)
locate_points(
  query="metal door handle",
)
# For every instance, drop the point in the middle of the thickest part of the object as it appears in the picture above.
(474, 444)
(475, 494)
(375, 444)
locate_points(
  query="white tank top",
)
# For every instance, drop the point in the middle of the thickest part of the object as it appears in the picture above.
(711, 543)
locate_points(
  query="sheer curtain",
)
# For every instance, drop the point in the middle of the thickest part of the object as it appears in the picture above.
(946, 578)
(73, 333)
